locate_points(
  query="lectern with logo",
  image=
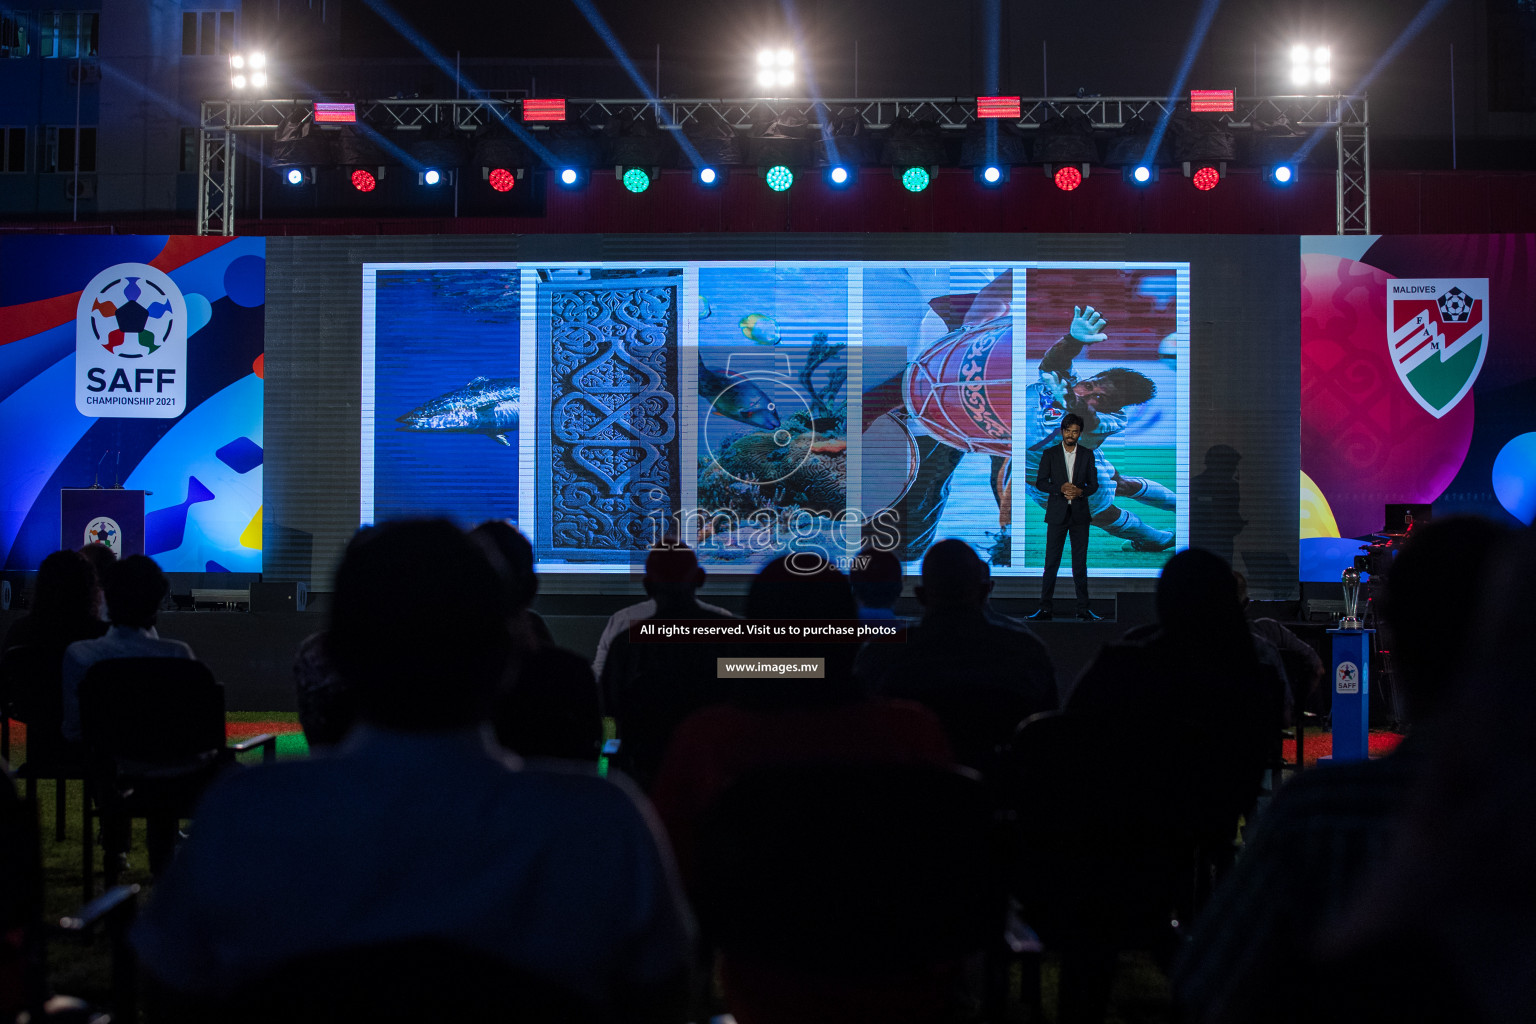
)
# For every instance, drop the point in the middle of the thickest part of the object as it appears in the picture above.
(102, 515)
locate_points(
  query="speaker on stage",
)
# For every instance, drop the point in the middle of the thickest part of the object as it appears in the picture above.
(279, 596)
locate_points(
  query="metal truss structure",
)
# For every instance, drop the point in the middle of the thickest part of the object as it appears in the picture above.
(1346, 117)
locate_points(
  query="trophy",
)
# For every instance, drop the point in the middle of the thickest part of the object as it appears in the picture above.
(1351, 583)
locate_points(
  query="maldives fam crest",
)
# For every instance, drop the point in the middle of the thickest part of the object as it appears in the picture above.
(1437, 334)
(131, 344)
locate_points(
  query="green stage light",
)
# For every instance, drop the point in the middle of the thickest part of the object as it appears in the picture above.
(915, 179)
(780, 177)
(636, 180)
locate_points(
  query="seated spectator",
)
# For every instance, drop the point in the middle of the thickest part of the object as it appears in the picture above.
(65, 603)
(619, 622)
(650, 688)
(1253, 956)
(876, 581)
(326, 708)
(420, 825)
(102, 558)
(1306, 674)
(135, 588)
(547, 703)
(777, 721)
(980, 674)
(1198, 665)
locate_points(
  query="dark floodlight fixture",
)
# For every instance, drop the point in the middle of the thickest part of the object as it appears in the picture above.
(779, 177)
(1140, 175)
(635, 179)
(915, 179)
(991, 175)
(709, 177)
(1282, 174)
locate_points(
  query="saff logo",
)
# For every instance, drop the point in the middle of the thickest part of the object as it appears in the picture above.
(105, 531)
(131, 344)
(1437, 334)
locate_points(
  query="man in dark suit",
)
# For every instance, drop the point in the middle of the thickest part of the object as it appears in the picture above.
(1068, 476)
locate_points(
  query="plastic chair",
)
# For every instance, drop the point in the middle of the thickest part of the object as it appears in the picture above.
(154, 735)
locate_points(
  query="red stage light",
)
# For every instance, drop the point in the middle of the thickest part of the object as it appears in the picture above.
(502, 180)
(1206, 178)
(1068, 178)
(363, 181)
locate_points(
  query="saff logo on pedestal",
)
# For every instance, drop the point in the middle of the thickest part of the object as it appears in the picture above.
(131, 344)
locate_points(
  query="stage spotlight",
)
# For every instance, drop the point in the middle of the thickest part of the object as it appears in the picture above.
(431, 176)
(775, 67)
(636, 180)
(294, 176)
(1206, 178)
(364, 181)
(1142, 174)
(572, 177)
(991, 175)
(248, 69)
(1311, 65)
(1283, 174)
(501, 179)
(1068, 177)
(915, 179)
(839, 176)
(779, 177)
(708, 177)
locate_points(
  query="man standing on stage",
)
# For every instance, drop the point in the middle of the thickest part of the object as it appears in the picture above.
(1068, 476)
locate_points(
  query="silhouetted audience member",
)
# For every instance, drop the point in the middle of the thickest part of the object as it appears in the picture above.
(1253, 958)
(65, 603)
(650, 688)
(777, 719)
(326, 708)
(506, 542)
(135, 588)
(1198, 665)
(981, 674)
(619, 622)
(547, 704)
(781, 720)
(421, 825)
(876, 580)
(102, 558)
(1302, 666)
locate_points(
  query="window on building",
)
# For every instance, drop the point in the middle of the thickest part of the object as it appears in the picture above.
(59, 149)
(13, 34)
(189, 149)
(68, 33)
(13, 150)
(207, 33)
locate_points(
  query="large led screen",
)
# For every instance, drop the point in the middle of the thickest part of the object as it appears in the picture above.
(1418, 385)
(134, 360)
(754, 408)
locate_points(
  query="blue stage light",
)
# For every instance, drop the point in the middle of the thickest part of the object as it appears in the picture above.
(1284, 174)
(1139, 175)
(839, 176)
(992, 175)
(708, 176)
(431, 176)
(572, 177)
(295, 176)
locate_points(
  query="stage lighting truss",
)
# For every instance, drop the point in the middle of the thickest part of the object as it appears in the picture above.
(1067, 176)
(1205, 176)
(1139, 175)
(991, 176)
(1283, 175)
(841, 175)
(500, 179)
(636, 179)
(779, 177)
(916, 179)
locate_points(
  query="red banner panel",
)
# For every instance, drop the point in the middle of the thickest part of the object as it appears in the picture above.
(543, 110)
(335, 113)
(997, 106)
(1210, 100)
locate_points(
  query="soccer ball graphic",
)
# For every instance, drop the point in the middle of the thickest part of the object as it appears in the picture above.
(1455, 306)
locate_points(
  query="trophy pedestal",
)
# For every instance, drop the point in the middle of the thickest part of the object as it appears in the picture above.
(1351, 694)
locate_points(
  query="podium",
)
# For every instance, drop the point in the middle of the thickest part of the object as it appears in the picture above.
(111, 516)
(1351, 694)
